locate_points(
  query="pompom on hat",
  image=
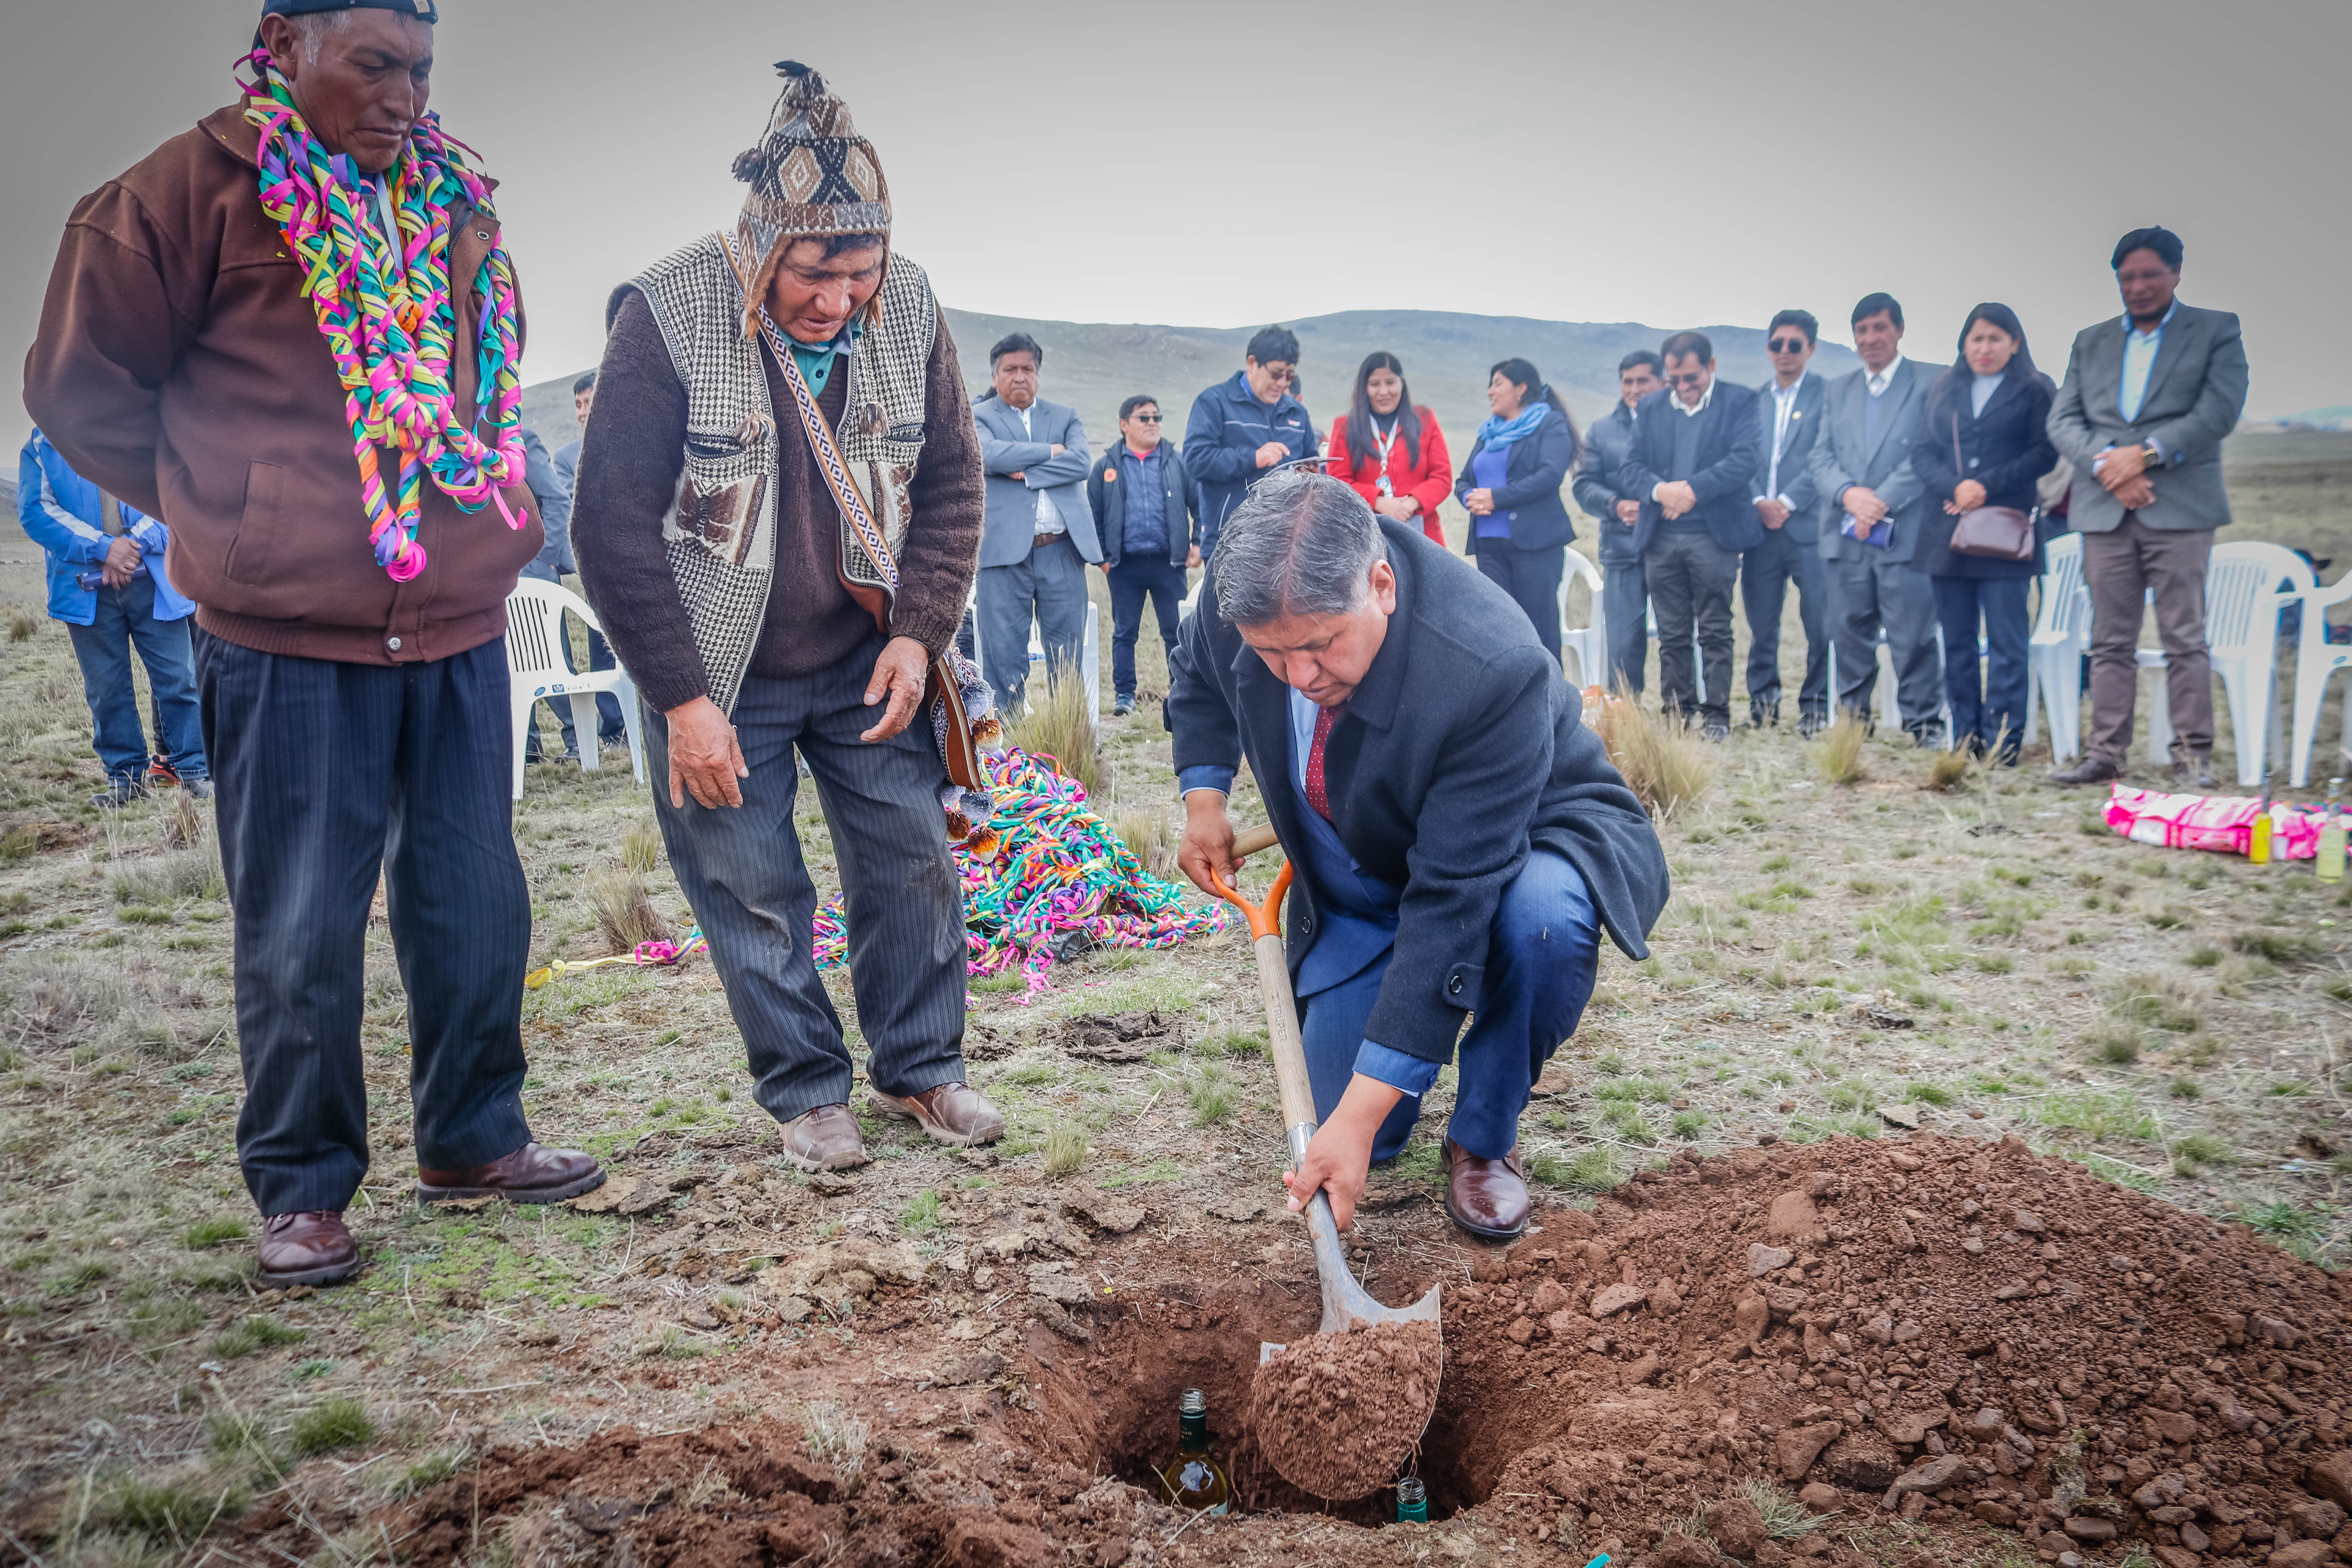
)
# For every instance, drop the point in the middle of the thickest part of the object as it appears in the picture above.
(812, 177)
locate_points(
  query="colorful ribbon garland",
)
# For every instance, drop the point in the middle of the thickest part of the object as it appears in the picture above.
(1054, 868)
(390, 320)
(1049, 867)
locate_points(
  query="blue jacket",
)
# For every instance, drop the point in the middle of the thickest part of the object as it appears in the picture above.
(1221, 442)
(61, 511)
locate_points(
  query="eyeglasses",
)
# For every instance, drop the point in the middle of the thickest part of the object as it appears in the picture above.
(1145, 419)
(1787, 345)
(1687, 378)
(1280, 374)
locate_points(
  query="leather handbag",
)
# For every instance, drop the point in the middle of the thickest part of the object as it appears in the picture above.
(1991, 532)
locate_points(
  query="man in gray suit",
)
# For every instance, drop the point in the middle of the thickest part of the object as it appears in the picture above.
(1872, 509)
(1040, 536)
(2148, 398)
(1788, 503)
(1624, 591)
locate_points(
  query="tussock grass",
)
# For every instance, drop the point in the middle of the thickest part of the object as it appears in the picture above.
(1061, 726)
(1666, 762)
(338, 1423)
(1593, 1170)
(185, 828)
(1838, 753)
(835, 1434)
(625, 910)
(191, 873)
(21, 624)
(1066, 1149)
(1212, 1092)
(2197, 1150)
(921, 1213)
(251, 1337)
(1949, 771)
(73, 1002)
(641, 847)
(1785, 1518)
(426, 1473)
(174, 1511)
(211, 1233)
(1151, 836)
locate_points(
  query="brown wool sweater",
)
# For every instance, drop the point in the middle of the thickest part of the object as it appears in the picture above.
(179, 365)
(631, 457)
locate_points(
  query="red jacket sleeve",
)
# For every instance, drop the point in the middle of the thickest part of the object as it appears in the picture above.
(1436, 481)
(1364, 479)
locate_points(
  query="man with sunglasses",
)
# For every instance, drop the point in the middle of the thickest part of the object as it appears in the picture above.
(1144, 510)
(1244, 429)
(1789, 506)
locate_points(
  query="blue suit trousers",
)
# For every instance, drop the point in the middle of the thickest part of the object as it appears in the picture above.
(1544, 947)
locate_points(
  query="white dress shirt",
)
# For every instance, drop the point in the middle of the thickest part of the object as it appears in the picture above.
(1784, 410)
(1881, 380)
(1982, 392)
(1049, 517)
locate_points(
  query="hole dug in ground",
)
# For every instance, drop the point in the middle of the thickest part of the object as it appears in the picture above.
(1960, 1353)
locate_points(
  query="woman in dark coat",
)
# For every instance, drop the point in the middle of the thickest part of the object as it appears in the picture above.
(1510, 486)
(1982, 443)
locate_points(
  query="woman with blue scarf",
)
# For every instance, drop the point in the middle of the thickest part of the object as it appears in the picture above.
(1519, 528)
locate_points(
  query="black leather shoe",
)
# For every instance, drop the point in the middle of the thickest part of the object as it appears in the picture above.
(2194, 771)
(2089, 771)
(1761, 714)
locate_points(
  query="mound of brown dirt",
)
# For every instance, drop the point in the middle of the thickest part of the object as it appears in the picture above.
(1339, 1413)
(1926, 1340)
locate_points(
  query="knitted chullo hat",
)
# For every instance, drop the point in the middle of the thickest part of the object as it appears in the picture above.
(812, 176)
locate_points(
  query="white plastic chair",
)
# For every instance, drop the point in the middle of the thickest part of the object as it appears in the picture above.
(2062, 636)
(1890, 706)
(2316, 660)
(2247, 585)
(1590, 644)
(1089, 656)
(535, 647)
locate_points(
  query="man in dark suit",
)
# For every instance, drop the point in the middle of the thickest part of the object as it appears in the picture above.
(1691, 464)
(1872, 511)
(2148, 398)
(1460, 841)
(1625, 596)
(1789, 506)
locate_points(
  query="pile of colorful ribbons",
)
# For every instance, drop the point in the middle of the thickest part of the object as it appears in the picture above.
(1055, 869)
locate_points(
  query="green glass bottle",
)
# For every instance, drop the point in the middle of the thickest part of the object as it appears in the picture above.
(2330, 865)
(1193, 1479)
(1412, 1500)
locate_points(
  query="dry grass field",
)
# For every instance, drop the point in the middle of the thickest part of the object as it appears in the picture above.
(1968, 950)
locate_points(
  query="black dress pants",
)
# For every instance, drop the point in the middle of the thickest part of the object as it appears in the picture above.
(325, 774)
(1690, 578)
(1531, 577)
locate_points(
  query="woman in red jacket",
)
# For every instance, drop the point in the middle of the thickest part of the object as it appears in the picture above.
(1390, 452)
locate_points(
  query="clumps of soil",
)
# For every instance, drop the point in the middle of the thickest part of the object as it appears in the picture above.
(1338, 1414)
(1935, 1350)
(1122, 1037)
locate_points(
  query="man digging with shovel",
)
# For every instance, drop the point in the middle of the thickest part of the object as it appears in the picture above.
(1458, 839)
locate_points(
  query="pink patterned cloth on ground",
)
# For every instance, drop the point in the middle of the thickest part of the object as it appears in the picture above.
(2223, 822)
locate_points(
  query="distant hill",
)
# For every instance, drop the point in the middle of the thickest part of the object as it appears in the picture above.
(1095, 366)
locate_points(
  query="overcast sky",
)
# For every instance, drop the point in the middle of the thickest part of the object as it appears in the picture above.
(1214, 163)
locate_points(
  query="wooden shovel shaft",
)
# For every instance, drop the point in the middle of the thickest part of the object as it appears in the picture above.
(1282, 1033)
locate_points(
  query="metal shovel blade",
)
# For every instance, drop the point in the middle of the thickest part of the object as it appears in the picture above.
(1346, 1303)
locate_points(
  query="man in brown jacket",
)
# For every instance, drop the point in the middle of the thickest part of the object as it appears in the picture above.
(355, 721)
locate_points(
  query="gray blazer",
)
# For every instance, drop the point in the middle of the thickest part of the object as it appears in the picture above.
(1841, 457)
(1805, 524)
(2196, 391)
(1006, 449)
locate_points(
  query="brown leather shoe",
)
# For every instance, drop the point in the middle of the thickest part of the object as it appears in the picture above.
(2090, 770)
(953, 1114)
(1485, 1197)
(530, 1175)
(311, 1248)
(826, 1139)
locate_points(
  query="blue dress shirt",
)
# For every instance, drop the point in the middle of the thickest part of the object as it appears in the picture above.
(2139, 359)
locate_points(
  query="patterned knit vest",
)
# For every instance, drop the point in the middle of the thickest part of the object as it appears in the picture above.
(719, 533)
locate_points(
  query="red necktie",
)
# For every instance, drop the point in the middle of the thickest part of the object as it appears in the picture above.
(1315, 796)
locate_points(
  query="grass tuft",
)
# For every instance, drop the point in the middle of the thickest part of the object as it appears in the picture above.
(1665, 761)
(174, 1511)
(1212, 1091)
(206, 1233)
(835, 1434)
(641, 847)
(338, 1423)
(1838, 753)
(427, 1473)
(1949, 771)
(1060, 727)
(1148, 833)
(921, 1213)
(1066, 1149)
(163, 878)
(250, 1337)
(21, 624)
(625, 910)
(1785, 1518)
